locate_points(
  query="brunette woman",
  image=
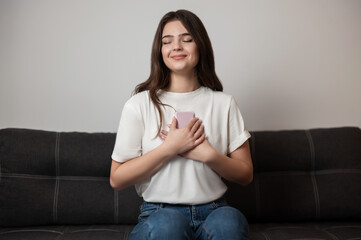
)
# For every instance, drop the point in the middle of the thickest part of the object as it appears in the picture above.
(178, 170)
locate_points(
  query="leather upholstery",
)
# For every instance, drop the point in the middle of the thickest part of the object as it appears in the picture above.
(55, 185)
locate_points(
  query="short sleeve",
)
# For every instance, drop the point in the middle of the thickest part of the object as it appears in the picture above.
(128, 143)
(237, 133)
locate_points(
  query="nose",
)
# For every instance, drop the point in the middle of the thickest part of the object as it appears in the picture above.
(177, 46)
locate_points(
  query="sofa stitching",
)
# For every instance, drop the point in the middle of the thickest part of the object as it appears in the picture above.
(337, 171)
(265, 235)
(334, 237)
(90, 178)
(30, 230)
(286, 227)
(342, 226)
(319, 172)
(312, 150)
(317, 226)
(75, 178)
(96, 230)
(313, 178)
(85, 178)
(56, 191)
(127, 233)
(61, 235)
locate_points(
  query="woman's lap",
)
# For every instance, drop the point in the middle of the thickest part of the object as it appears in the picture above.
(215, 220)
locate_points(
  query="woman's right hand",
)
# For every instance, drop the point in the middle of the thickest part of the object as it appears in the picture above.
(183, 139)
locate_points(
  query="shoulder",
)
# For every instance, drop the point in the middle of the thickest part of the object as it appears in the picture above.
(137, 103)
(138, 99)
(221, 97)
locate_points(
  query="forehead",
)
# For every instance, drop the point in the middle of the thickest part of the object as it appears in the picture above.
(174, 28)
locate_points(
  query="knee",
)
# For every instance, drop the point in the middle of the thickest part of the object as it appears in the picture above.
(227, 221)
(168, 224)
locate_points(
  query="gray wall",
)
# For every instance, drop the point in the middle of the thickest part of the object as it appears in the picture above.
(70, 65)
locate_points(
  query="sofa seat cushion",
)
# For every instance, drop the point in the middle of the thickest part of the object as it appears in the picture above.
(259, 231)
(67, 232)
(306, 231)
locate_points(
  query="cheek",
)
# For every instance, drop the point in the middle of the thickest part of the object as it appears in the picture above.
(164, 55)
(195, 54)
(165, 51)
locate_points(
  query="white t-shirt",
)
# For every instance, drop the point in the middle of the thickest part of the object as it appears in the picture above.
(181, 180)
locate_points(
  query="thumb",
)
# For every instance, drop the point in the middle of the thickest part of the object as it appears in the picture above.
(173, 125)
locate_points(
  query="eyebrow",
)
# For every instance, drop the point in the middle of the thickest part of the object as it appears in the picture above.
(183, 34)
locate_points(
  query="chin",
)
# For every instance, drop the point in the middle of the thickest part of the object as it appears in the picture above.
(179, 69)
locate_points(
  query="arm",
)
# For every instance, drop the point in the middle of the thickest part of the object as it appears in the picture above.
(125, 174)
(237, 167)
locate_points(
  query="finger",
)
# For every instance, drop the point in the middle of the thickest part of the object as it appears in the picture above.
(173, 125)
(196, 126)
(200, 140)
(191, 123)
(199, 132)
(164, 132)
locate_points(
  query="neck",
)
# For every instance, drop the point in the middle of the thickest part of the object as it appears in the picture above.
(181, 83)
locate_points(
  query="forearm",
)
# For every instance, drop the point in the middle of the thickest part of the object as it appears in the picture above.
(232, 169)
(135, 170)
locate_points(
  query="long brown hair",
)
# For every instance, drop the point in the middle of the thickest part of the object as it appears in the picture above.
(159, 77)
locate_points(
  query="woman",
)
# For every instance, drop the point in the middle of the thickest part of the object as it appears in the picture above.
(178, 171)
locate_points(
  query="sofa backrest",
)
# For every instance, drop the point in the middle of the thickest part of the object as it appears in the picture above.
(60, 178)
(63, 178)
(303, 175)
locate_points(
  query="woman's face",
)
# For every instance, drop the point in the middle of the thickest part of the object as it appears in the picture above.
(179, 51)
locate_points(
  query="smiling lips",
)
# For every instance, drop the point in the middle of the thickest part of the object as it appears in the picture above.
(178, 57)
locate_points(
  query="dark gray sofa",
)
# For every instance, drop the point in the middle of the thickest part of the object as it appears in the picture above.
(55, 185)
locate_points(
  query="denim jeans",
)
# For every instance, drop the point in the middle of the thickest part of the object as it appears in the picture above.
(215, 220)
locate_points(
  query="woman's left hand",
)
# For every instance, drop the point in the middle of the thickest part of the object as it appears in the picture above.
(236, 167)
(203, 152)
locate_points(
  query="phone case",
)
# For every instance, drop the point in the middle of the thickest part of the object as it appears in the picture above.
(183, 118)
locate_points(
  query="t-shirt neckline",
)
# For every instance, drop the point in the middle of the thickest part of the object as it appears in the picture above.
(185, 94)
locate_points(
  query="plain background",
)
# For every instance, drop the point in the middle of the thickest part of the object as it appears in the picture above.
(70, 65)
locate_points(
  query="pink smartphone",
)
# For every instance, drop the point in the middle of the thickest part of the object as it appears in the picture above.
(183, 118)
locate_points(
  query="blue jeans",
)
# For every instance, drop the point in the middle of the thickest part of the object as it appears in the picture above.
(215, 220)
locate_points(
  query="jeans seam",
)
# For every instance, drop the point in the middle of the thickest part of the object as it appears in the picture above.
(158, 206)
(206, 230)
